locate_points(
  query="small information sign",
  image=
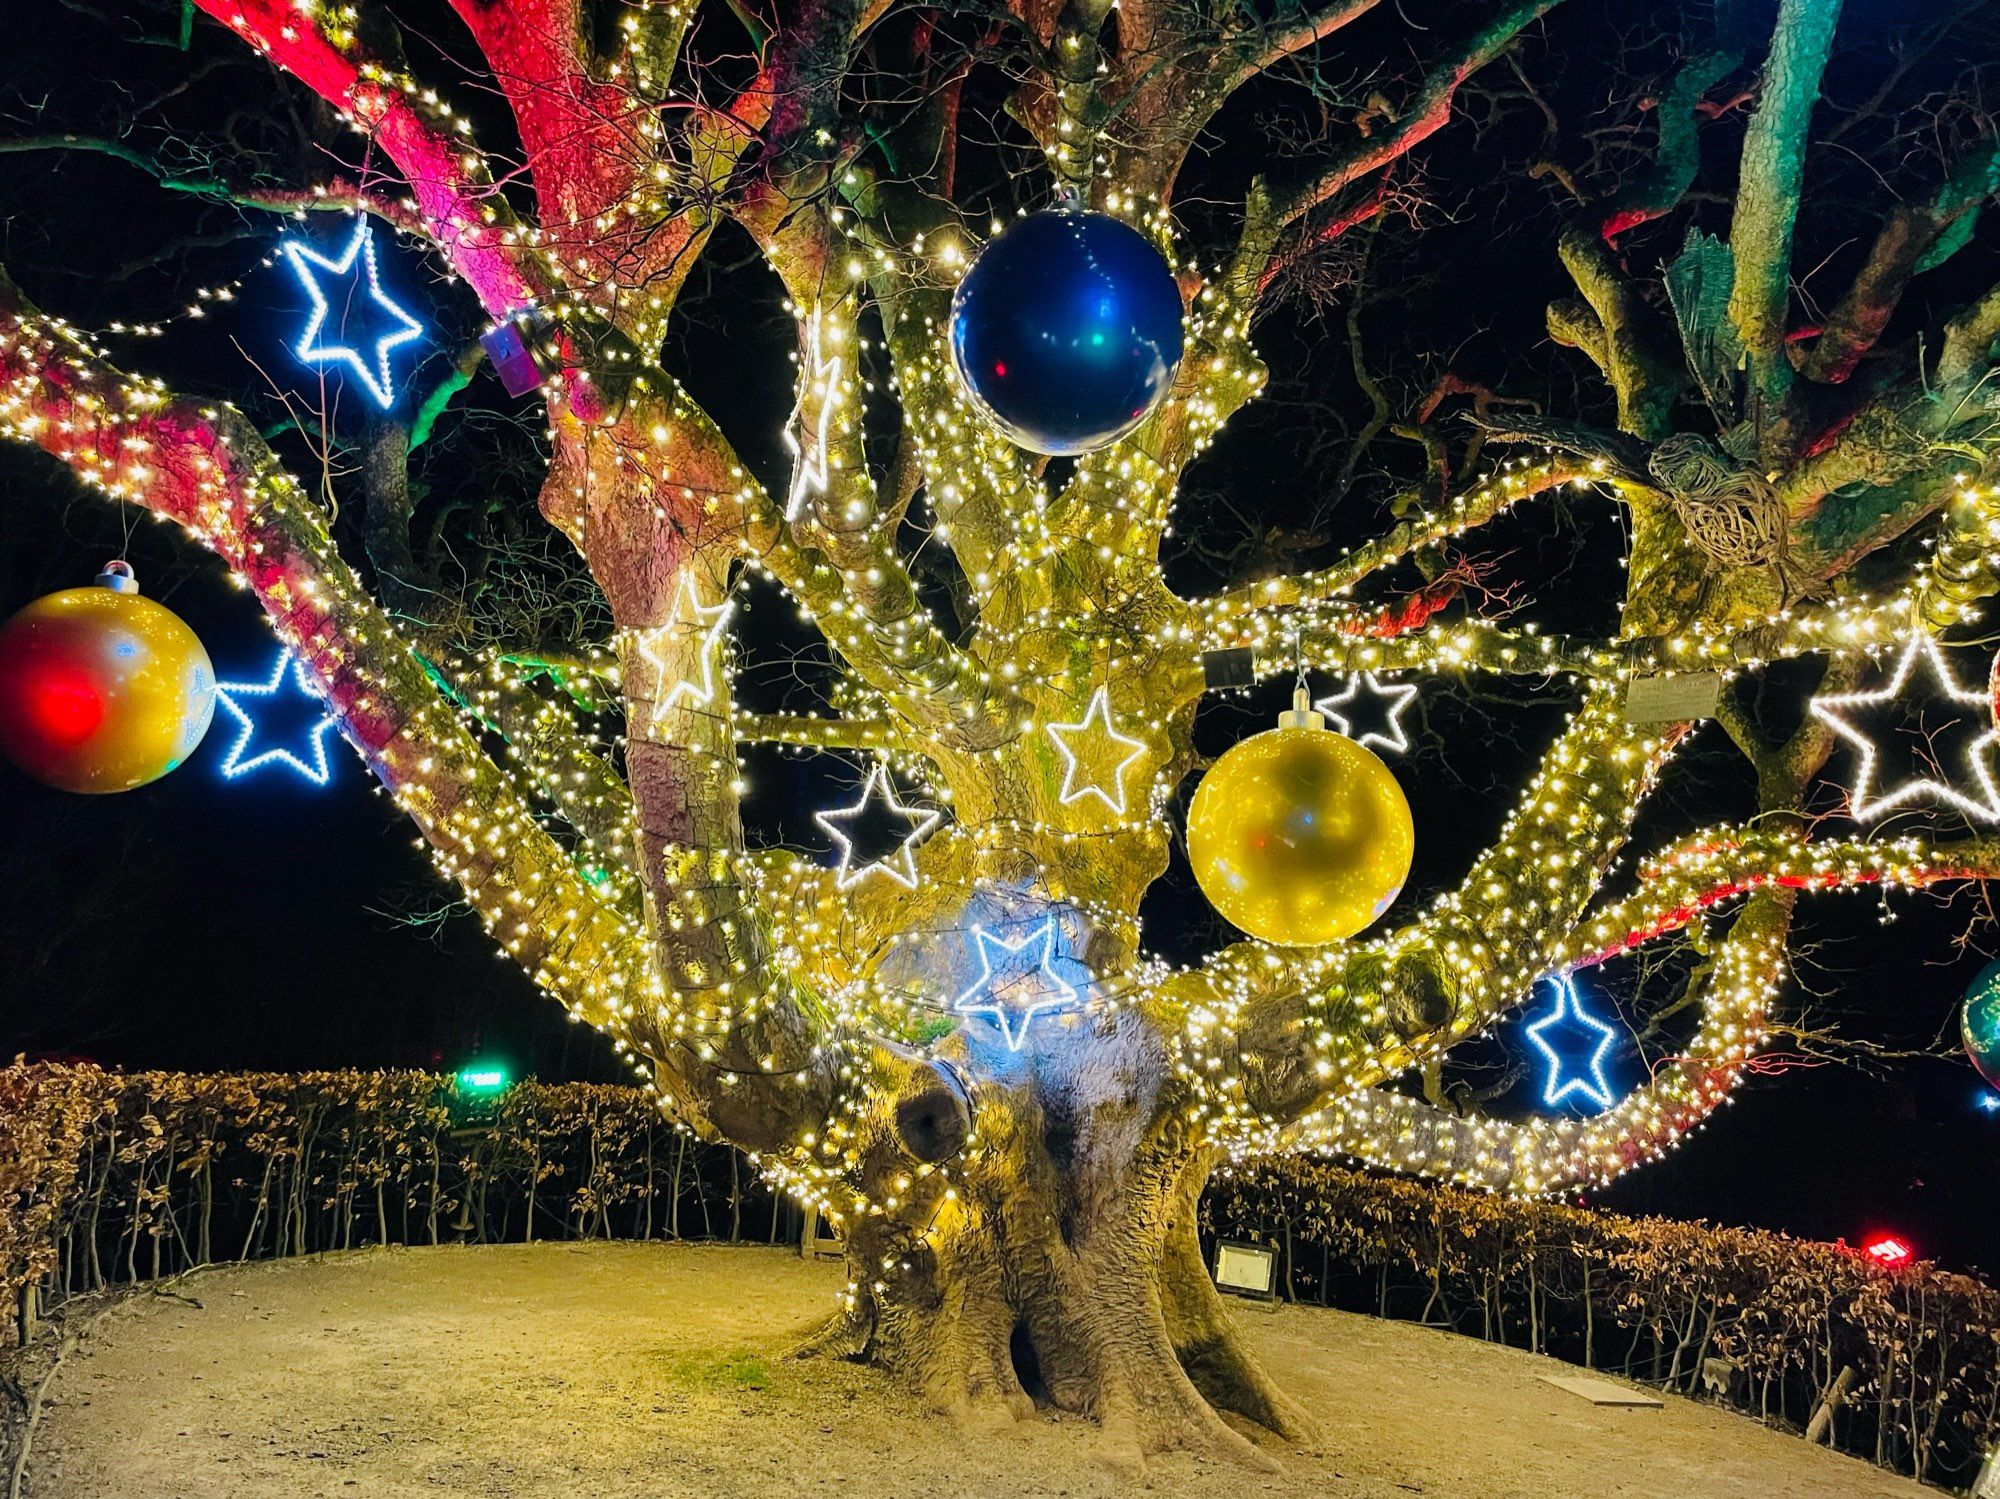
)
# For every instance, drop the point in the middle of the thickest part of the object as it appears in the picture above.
(1672, 696)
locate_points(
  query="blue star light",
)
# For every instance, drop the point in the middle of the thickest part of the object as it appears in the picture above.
(310, 759)
(1001, 1002)
(313, 346)
(1588, 1080)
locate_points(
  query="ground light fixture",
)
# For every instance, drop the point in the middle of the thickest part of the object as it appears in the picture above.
(1246, 1270)
(482, 1077)
(1887, 1250)
(1987, 1486)
(475, 1092)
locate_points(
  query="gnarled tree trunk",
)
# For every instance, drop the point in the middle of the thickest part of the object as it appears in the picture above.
(1065, 1268)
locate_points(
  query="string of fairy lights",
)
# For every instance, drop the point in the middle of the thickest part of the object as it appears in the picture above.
(1043, 747)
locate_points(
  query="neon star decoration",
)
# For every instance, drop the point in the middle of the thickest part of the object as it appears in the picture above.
(997, 997)
(1867, 803)
(1393, 699)
(238, 699)
(809, 461)
(900, 866)
(316, 347)
(690, 616)
(1564, 1077)
(1096, 741)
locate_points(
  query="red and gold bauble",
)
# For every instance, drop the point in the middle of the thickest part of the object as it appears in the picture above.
(100, 689)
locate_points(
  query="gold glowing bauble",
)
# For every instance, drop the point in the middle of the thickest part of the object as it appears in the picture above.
(100, 689)
(1300, 836)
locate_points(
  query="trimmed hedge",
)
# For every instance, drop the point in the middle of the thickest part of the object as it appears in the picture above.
(110, 1178)
(1900, 1365)
(113, 1178)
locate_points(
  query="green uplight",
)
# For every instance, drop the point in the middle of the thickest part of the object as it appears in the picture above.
(482, 1079)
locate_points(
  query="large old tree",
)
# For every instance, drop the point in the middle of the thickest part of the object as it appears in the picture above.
(1801, 480)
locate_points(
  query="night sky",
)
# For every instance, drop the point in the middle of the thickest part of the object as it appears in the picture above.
(265, 923)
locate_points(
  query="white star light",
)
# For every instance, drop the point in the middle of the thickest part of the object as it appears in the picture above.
(1056, 994)
(1569, 1008)
(1867, 805)
(1075, 786)
(809, 468)
(690, 616)
(311, 762)
(1395, 697)
(901, 866)
(375, 377)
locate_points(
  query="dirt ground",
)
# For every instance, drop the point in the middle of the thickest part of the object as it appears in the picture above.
(619, 1370)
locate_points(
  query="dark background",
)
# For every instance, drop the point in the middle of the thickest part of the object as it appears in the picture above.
(264, 923)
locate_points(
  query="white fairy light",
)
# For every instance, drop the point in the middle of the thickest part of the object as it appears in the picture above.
(1868, 806)
(900, 866)
(1395, 698)
(1074, 786)
(1011, 1016)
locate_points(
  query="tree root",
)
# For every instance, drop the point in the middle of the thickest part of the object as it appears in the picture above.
(843, 1335)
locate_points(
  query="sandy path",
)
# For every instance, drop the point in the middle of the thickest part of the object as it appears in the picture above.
(612, 1371)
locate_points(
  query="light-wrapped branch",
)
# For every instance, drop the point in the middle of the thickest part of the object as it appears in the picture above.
(1471, 509)
(567, 770)
(1705, 872)
(206, 468)
(449, 178)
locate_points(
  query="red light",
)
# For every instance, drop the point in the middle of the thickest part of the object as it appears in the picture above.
(1887, 1250)
(1000, 368)
(66, 705)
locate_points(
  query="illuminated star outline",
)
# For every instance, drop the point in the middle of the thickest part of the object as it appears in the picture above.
(810, 469)
(710, 621)
(1396, 695)
(1569, 1006)
(303, 257)
(1100, 708)
(998, 1010)
(901, 866)
(234, 765)
(1867, 807)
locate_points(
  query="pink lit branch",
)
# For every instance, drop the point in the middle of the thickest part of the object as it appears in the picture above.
(450, 182)
(205, 468)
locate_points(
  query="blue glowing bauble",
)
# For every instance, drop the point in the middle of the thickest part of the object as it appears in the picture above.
(1067, 331)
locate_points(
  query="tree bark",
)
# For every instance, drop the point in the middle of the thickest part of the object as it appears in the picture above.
(1064, 1269)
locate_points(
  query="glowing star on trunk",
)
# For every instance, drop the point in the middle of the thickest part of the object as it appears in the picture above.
(690, 616)
(314, 347)
(900, 866)
(999, 997)
(1869, 804)
(1092, 763)
(1564, 1077)
(809, 457)
(235, 698)
(1387, 705)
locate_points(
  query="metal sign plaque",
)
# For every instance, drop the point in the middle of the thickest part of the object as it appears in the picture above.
(1673, 696)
